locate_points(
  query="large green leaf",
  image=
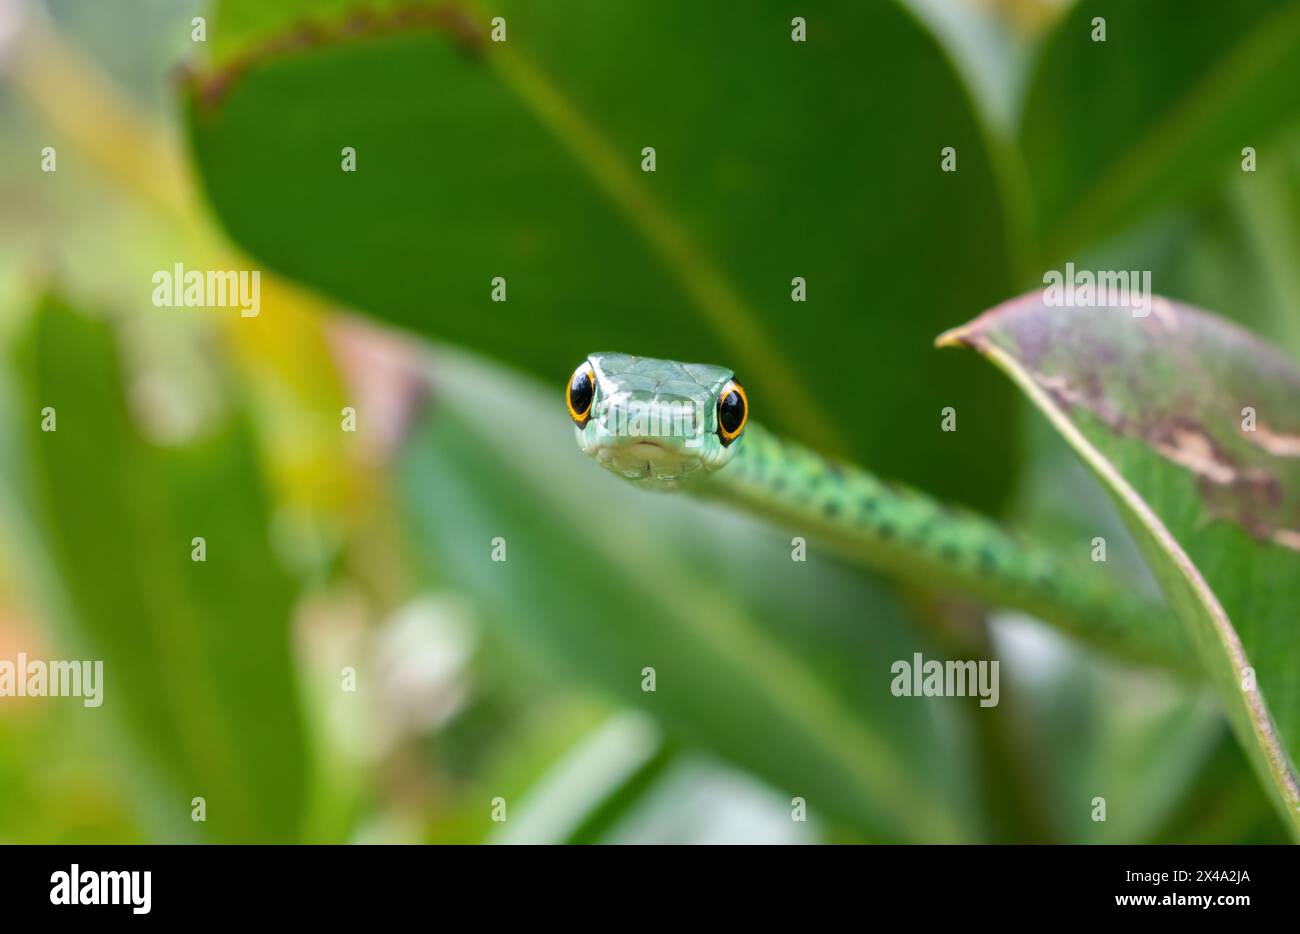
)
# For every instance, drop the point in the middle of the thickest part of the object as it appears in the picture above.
(196, 654)
(780, 666)
(522, 159)
(1112, 129)
(1194, 426)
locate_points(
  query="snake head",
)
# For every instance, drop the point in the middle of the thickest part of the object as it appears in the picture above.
(656, 422)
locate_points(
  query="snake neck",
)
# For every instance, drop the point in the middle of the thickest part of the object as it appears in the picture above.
(895, 529)
(896, 525)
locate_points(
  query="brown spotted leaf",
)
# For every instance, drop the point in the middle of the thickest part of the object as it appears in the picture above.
(1193, 424)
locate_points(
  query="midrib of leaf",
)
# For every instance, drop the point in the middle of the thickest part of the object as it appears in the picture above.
(717, 300)
(1141, 162)
(1268, 745)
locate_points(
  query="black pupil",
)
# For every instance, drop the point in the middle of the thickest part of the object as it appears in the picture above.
(731, 412)
(580, 391)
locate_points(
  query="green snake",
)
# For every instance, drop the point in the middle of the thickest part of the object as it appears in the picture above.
(665, 425)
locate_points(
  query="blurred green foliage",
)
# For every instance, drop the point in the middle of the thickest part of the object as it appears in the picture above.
(369, 551)
(199, 650)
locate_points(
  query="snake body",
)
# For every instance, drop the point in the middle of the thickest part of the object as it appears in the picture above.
(673, 426)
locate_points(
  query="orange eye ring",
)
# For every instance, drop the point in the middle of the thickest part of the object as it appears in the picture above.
(733, 411)
(581, 393)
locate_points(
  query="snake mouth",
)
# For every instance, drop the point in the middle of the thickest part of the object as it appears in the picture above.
(645, 459)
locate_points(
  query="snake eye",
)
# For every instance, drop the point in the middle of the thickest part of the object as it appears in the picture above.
(733, 411)
(582, 390)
